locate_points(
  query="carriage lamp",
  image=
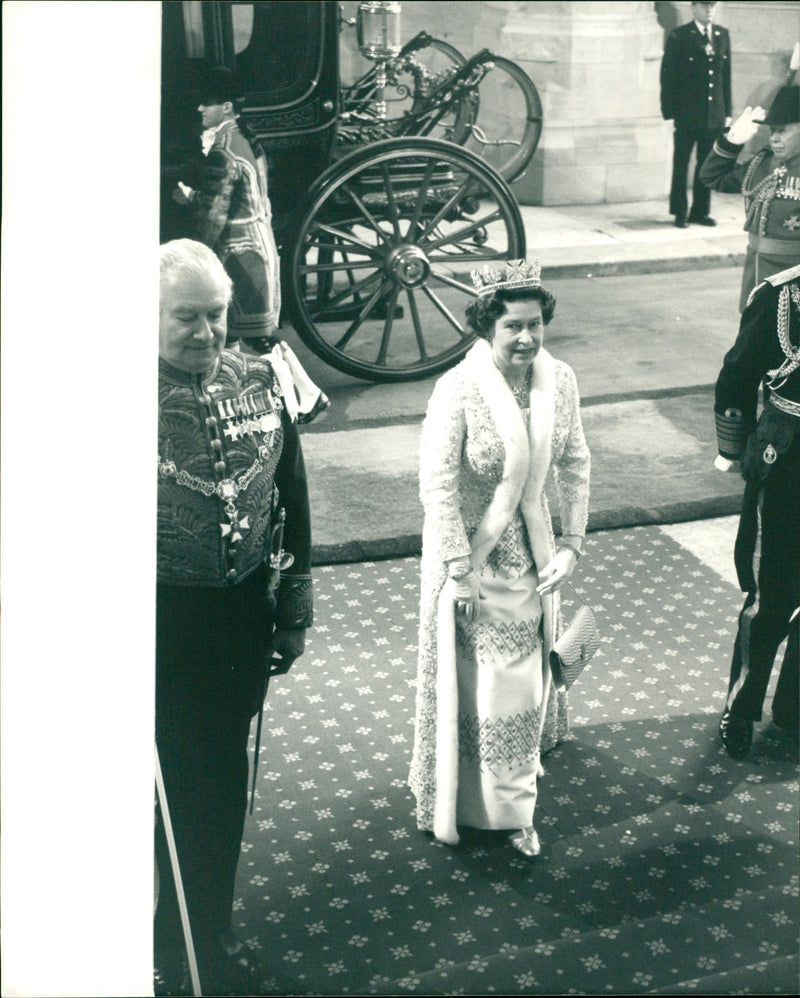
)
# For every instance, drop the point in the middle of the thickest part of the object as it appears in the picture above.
(378, 30)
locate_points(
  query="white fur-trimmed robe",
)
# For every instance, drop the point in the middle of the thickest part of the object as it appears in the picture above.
(477, 466)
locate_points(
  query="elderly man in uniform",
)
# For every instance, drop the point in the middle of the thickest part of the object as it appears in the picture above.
(696, 94)
(232, 510)
(767, 552)
(770, 182)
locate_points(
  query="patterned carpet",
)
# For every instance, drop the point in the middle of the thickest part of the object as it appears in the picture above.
(667, 866)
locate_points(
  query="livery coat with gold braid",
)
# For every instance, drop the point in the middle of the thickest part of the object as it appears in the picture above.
(229, 458)
(233, 216)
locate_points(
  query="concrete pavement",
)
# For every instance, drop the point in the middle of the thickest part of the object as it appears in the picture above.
(645, 314)
(638, 237)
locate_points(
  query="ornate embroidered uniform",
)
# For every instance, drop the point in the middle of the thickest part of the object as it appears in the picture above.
(485, 705)
(772, 206)
(233, 216)
(229, 456)
(224, 442)
(767, 550)
(696, 94)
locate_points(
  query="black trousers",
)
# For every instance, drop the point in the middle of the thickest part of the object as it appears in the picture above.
(685, 141)
(210, 673)
(769, 536)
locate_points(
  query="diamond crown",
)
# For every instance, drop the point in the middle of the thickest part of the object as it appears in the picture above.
(515, 274)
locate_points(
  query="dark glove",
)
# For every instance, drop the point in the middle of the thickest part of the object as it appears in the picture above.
(287, 645)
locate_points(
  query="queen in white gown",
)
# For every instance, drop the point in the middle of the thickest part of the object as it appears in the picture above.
(496, 424)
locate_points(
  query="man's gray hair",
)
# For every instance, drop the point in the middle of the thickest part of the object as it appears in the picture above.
(189, 256)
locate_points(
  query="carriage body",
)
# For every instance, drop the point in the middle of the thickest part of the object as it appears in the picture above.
(377, 238)
(287, 54)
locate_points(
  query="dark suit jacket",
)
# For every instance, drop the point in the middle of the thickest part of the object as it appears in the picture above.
(695, 86)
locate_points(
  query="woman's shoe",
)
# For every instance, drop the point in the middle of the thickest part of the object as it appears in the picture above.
(526, 841)
(322, 403)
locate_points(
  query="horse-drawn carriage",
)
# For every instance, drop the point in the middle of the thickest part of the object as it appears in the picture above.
(386, 192)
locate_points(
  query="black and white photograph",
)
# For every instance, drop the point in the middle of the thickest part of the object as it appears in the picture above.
(400, 498)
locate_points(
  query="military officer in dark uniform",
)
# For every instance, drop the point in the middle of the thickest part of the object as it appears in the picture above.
(767, 552)
(770, 182)
(696, 95)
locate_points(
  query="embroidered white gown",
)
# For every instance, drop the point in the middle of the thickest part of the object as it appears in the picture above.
(485, 703)
(500, 689)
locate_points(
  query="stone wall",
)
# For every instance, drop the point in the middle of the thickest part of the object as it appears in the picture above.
(596, 67)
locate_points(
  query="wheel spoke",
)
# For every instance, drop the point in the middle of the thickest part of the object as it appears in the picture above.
(319, 268)
(468, 259)
(387, 327)
(440, 305)
(370, 218)
(454, 237)
(391, 203)
(453, 283)
(432, 223)
(349, 267)
(412, 304)
(350, 292)
(345, 237)
(356, 323)
(423, 193)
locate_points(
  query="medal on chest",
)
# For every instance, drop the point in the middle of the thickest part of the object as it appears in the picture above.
(778, 184)
(246, 416)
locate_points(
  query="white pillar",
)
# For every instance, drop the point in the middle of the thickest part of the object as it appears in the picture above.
(596, 66)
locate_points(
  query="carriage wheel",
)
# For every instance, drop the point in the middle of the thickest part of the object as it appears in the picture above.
(507, 121)
(380, 266)
(440, 56)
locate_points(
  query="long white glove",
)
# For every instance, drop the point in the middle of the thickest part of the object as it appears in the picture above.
(745, 127)
(556, 571)
(467, 596)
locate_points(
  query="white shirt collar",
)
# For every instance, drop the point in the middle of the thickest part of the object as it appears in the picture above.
(703, 29)
(208, 136)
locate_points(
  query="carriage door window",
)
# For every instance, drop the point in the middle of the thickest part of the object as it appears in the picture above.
(275, 46)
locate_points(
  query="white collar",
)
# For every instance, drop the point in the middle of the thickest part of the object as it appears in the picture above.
(702, 28)
(209, 134)
(218, 128)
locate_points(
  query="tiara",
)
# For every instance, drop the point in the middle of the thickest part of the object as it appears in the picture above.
(516, 274)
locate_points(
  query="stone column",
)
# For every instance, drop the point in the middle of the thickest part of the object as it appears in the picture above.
(596, 66)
